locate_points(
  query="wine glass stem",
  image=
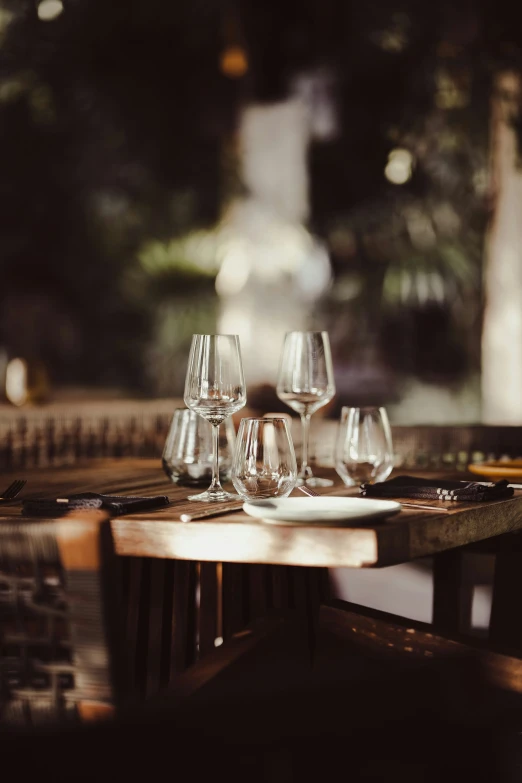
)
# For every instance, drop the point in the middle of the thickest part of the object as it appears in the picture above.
(306, 470)
(215, 485)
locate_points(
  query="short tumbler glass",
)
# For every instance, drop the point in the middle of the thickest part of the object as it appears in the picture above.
(363, 449)
(187, 455)
(264, 464)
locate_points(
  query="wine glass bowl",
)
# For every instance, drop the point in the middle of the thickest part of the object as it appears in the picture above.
(215, 389)
(215, 386)
(306, 383)
(264, 464)
(188, 451)
(363, 448)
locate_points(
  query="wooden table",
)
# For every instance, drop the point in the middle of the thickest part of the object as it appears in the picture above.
(172, 555)
(238, 538)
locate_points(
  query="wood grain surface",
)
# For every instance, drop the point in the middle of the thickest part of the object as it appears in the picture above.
(238, 538)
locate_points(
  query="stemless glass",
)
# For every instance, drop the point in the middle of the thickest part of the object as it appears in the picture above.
(363, 449)
(264, 464)
(215, 388)
(187, 454)
(305, 384)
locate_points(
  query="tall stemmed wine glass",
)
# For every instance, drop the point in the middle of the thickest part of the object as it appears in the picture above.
(215, 388)
(306, 383)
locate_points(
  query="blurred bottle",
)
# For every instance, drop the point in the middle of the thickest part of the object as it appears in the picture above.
(26, 382)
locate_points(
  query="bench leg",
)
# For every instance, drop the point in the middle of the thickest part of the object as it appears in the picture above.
(452, 592)
(505, 627)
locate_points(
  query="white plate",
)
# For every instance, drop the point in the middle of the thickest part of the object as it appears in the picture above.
(335, 511)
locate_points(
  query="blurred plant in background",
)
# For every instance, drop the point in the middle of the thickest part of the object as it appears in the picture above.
(119, 125)
(111, 119)
(178, 277)
(408, 250)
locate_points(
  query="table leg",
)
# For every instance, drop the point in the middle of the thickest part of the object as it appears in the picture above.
(309, 592)
(235, 599)
(452, 592)
(505, 627)
(209, 610)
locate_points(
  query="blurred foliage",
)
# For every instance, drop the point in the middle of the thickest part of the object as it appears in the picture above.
(190, 262)
(117, 131)
(111, 118)
(176, 319)
(408, 256)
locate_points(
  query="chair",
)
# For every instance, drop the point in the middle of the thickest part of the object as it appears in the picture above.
(386, 699)
(476, 683)
(81, 628)
(83, 631)
(383, 636)
(258, 709)
(66, 660)
(60, 645)
(62, 657)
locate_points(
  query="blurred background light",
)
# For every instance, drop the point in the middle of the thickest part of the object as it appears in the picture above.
(234, 62)
(402, 155)
(49, 10)
(6, 17)
(16, 382)
(399, 166)
(316, 88)
(235, 269)
(394, 38)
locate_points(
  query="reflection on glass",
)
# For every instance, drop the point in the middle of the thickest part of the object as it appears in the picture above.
(305, 384)
(363, 449)
(215, 389)
(187, 454)
(264, 463)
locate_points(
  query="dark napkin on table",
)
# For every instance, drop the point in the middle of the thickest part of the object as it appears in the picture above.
(436, 489)
(117, 505)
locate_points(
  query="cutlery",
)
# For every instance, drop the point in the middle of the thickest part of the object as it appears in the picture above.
(312, 494)
(13, 490)
(490, 484)
(210, 512)
(307, 491)
(447, 507)
(118, 505)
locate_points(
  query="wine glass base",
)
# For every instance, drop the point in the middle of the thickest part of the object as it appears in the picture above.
(213, 497)
(315, 481)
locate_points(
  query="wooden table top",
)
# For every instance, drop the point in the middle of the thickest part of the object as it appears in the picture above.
(239, 538)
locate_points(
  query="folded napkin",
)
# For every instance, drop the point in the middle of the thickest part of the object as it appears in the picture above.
(117, 505)
(436, 489)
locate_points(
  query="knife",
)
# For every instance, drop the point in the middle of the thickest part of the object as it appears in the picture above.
(210, 512)
(424, 507)
(490, 483)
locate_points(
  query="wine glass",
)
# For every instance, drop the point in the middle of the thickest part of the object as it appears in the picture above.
(363, 449)
(305, 384)
(215, 388)
(187, 454)
(264, 464)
